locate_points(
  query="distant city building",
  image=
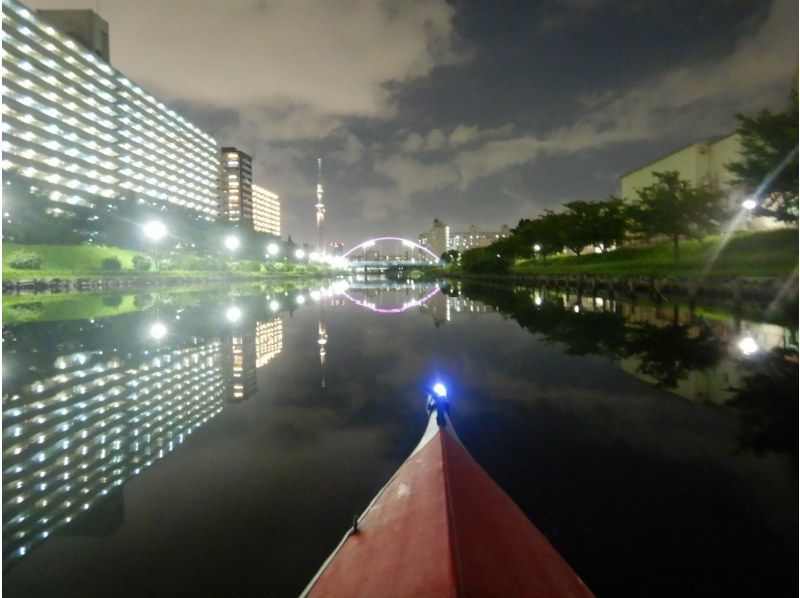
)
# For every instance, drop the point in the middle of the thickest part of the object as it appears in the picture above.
(236, 186)
(701, 163)
(84, 134)
(437, 240)
(266, 211)
(473, 238)
(337, 248)
(84, 26)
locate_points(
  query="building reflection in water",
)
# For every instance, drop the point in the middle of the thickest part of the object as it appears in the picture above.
(269, 340)
(73, 437)
(442, 307)
(322, 340)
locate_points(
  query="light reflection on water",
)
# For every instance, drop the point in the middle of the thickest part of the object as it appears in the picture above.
(104, 400)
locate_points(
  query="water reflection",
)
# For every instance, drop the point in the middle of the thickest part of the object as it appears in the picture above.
(78, 424)
(90, 402)
(72, 437)
(747, 365)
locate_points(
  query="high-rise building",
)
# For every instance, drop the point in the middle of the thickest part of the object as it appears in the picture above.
(266, 211)
(84, 26)
(438, 239)
(473, 238)
(236, 186)
(85, 134)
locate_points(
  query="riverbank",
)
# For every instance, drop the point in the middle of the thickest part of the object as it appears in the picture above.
(757, 267)
(771, 253)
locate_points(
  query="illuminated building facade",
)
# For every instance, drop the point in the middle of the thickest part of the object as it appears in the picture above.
(87, 135)
(438, 239)
(266, 211)
(84, 26)
(269, 341)
(236, 186)
(473, 238)
(74, 437)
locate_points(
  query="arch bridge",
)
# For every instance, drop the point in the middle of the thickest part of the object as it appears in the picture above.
(384, 252)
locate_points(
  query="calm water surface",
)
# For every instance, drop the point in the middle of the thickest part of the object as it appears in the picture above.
(221, 442)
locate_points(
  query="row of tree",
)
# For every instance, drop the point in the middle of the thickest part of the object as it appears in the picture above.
(670, 208)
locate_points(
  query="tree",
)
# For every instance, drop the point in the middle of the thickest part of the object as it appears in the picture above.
(672, 207)
(450, 256)
(768, 168)
(611, 223)
(579, 225)
(544, 232)
(483, 260)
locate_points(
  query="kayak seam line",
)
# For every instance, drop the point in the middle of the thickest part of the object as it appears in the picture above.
(451, 530)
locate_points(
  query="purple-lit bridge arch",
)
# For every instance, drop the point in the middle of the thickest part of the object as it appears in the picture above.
(406, 243)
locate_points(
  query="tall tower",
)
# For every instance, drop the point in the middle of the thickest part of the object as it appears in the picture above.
(320, 205)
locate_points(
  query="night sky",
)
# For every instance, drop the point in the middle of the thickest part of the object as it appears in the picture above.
(473, 112)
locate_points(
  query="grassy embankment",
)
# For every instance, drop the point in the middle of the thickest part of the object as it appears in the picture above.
(85, 261)
(772, 253)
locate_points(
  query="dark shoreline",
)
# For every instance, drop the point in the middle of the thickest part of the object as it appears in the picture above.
(772, 290)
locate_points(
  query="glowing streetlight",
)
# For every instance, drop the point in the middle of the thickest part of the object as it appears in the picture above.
(273, 249)
(274, 305)
(315, 295)
(300, 300)
(537, 247)
(158, 331)
(233, 314)
(748, 345)
(232, 242)
(299, 254)
(155, 230)
(750, 204)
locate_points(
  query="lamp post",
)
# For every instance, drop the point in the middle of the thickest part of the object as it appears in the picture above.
(273, 249)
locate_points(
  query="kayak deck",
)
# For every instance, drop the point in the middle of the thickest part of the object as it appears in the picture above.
(442, 527)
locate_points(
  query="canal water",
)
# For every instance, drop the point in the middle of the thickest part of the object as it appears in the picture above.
(221, 441)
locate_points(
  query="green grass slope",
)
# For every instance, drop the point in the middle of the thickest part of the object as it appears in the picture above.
(771, 253)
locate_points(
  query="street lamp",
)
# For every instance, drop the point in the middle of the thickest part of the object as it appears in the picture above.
(232, 242)
(274, 305)
(273, 249)
(233, 314)
(537, 247)
(155, 231)
(299, 254)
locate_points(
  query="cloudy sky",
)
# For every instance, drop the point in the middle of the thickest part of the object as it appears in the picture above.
(473, 112)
